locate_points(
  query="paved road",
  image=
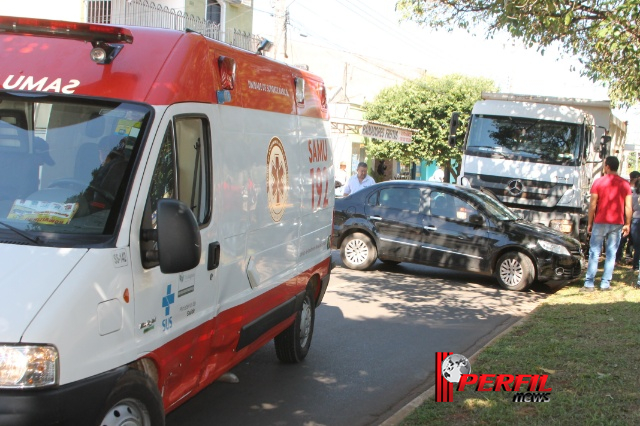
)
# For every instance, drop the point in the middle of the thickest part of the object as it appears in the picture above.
(372, 352)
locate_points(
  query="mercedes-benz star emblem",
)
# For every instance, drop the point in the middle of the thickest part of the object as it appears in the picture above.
(515, 187)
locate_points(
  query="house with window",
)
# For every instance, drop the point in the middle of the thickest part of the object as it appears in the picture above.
(230, 21)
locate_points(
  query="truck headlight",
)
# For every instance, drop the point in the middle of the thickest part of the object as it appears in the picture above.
(554, 248)
(28, 366)
(570, 198)
(563, 225)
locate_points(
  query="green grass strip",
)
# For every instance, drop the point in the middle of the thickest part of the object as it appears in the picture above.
(588, 344)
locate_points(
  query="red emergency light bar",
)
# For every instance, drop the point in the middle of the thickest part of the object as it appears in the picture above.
(73, 30)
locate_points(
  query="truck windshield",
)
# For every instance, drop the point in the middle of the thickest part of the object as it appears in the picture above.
(65, 164)
(524, 139)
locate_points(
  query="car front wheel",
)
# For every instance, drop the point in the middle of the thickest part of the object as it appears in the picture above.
(515, 271)
(358, 251)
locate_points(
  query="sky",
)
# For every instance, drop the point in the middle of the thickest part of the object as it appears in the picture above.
(372, 28)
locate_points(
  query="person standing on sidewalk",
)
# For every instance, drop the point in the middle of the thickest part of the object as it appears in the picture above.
(635, 223)
(628, 240)
(358, 181)
(609, 219)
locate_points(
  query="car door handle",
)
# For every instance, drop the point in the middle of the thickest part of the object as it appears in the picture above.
(430, 228)
(375, 218)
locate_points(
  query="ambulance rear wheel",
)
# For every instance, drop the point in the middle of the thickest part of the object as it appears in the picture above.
(135, 401)
(292, 345)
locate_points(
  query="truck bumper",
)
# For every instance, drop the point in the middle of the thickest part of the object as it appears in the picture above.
(78, 403)
(555, 220)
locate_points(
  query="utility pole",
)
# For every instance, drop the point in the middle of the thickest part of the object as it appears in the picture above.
(345, 78)
(280, 31)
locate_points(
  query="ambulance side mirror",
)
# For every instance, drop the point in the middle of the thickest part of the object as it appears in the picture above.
(178, 237)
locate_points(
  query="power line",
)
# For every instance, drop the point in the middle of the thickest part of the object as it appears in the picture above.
(371, 16)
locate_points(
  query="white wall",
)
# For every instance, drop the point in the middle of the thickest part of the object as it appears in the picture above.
(66, 10)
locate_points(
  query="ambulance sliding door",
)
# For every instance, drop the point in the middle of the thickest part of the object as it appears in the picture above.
(174, 311)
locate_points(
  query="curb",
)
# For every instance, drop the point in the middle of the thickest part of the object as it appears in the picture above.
(405, 411)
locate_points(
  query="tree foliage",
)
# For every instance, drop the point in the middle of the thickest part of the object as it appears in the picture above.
(603, 34)
(425, 105)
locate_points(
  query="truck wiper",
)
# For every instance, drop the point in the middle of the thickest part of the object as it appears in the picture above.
(26, 236)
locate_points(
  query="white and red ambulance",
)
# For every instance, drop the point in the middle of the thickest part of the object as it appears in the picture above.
(165, 211)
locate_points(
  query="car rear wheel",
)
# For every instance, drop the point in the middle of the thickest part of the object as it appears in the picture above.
(358, 251)
(515, 271)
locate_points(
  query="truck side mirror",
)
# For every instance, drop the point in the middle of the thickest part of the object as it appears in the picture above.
(177, 236)
(605, 142)
(454, 123)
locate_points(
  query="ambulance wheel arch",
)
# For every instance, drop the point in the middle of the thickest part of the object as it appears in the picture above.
(293, 344)
(134, 400)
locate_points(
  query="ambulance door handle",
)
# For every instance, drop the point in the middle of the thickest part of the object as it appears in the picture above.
(214, 256)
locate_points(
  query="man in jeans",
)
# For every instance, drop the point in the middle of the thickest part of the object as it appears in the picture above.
(609, 218)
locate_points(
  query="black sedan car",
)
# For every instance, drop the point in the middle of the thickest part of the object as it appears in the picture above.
(450, 226)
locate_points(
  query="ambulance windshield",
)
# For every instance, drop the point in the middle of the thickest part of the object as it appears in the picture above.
(65, 163)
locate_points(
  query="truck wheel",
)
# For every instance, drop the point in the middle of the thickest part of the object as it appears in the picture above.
(358, 251)
(292, 345)
(134, 401)
(515, 271)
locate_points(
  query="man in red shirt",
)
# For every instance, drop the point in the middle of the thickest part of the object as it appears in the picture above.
(609, 218)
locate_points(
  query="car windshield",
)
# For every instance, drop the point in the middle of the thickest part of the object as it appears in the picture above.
(64, 164)
(492, 206)
(525, 139)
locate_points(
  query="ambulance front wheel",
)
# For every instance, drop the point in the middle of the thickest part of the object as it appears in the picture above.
(292, 345)
(134, 401)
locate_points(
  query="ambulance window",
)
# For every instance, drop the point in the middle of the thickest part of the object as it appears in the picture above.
(193, 166)
(164, 179)
(182, 171)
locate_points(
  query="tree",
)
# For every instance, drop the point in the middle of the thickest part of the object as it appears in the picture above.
(603, 34)
(425, 105)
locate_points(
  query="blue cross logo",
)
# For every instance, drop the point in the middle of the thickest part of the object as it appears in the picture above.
(168, 300)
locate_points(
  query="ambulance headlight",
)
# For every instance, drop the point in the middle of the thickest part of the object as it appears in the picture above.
(27, 366)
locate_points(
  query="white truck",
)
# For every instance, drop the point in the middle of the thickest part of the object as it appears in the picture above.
(540, 155)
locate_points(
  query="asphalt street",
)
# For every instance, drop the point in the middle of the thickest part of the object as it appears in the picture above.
(373, 349)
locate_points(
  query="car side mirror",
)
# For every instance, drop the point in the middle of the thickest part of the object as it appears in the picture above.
(476, 220)
(177, 237)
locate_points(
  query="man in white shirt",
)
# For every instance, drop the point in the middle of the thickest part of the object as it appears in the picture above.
(341, 174)
(358, 181)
